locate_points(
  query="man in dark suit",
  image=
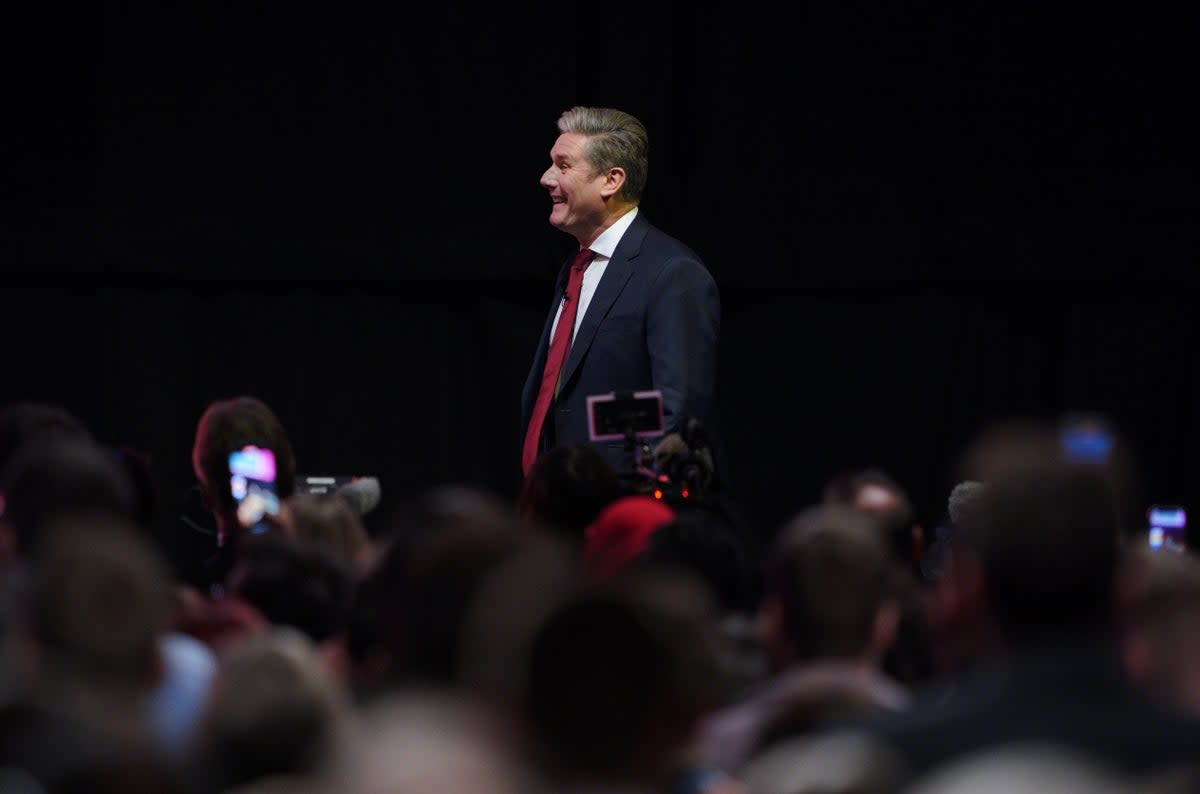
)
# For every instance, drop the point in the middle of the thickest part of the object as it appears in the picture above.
(646, 311)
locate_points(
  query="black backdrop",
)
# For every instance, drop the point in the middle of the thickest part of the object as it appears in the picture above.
(922, 217)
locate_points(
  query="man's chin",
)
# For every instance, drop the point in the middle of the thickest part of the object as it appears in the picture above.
(558, 217)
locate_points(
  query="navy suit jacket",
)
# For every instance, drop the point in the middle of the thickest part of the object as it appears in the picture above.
(653, 323)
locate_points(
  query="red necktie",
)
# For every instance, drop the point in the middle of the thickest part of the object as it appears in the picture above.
(555, 358)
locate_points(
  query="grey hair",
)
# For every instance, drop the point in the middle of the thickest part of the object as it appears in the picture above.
(963, 497)
(614, 139)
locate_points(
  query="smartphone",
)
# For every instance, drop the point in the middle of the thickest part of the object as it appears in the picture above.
(252, 482)
(1168, 527)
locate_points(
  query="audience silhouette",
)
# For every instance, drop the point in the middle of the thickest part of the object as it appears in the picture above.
(582, 636)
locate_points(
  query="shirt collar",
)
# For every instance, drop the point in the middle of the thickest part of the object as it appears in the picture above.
(606, 244)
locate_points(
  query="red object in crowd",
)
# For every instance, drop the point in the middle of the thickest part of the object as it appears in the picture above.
(621, 532)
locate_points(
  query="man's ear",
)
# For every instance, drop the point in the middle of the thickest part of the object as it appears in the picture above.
(772, 633)
(1137, 655)
(614, 180)
(968, 579)
(959, 596)
(884, 628)
(917, 533)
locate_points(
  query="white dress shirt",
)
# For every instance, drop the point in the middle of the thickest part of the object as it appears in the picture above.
(603, 246)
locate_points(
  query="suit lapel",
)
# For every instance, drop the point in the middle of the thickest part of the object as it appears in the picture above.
(616, 275)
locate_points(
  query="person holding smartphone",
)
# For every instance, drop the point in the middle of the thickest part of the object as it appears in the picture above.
(239, 441)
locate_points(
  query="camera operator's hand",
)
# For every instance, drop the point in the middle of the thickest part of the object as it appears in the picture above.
(670, 447)
(673, 457)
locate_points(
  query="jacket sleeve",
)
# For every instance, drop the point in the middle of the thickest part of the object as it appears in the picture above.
(683, 324)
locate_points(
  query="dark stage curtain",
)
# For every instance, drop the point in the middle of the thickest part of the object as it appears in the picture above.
(922, 219)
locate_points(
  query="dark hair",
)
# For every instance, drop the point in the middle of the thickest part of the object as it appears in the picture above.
(411, 606)
(701, 542)
(567, 487)
(830, 572)
(896, 520)
(100, 599)
(1049, 541)
(450, 515)
(295, 584)
(608, 664)
(60, 478)
(228, 425)
(26, 421)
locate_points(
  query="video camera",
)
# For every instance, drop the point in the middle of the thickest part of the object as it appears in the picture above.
(677, 470)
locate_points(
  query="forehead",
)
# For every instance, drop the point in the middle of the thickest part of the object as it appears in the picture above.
(570, 146)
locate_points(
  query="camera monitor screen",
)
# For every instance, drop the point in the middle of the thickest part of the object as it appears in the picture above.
(611, 416)
(322, 483)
